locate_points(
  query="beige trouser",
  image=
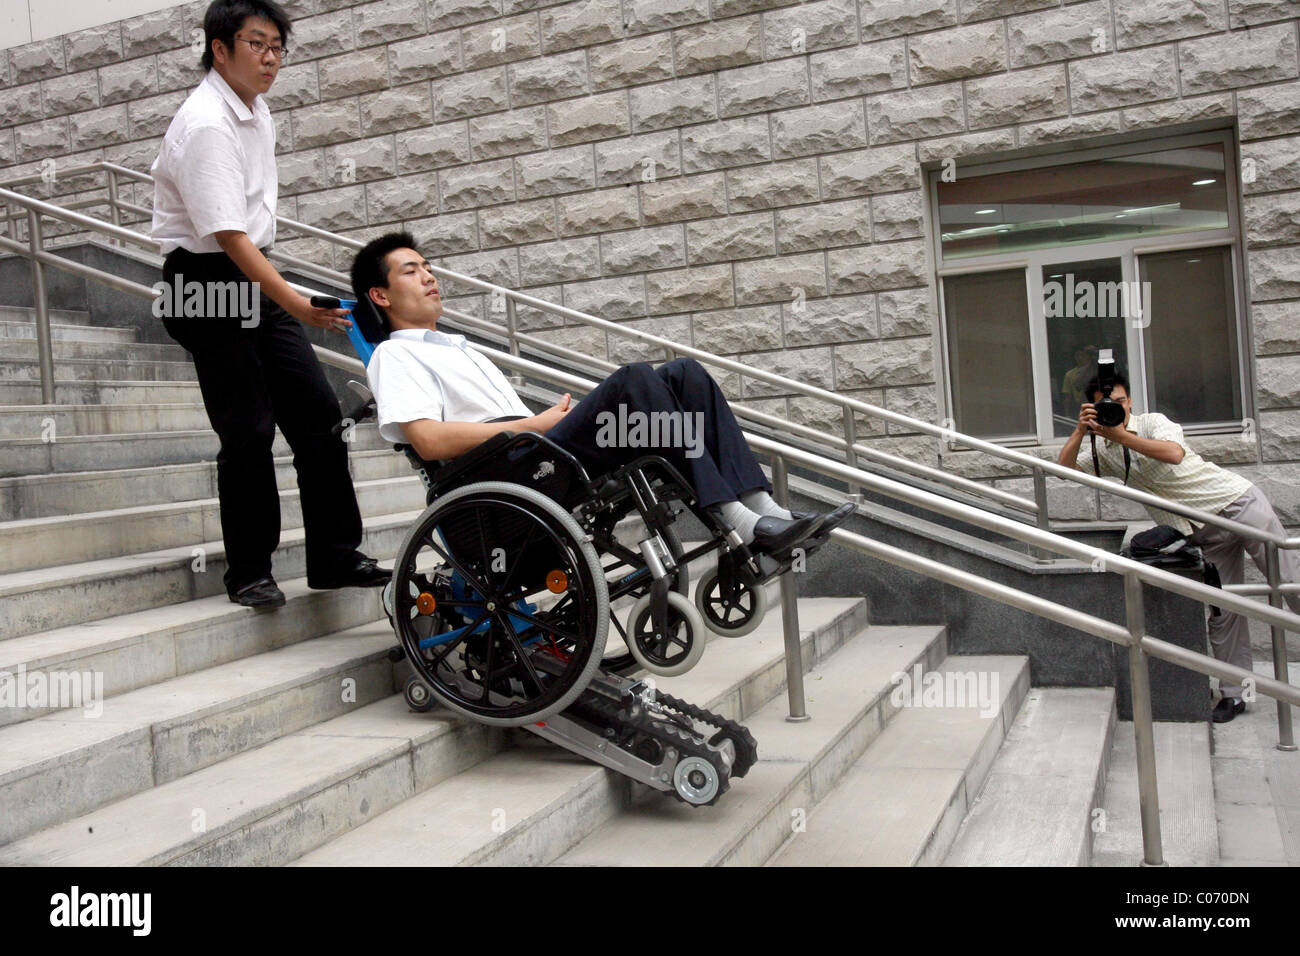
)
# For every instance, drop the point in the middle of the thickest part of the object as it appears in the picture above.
(1230, 633)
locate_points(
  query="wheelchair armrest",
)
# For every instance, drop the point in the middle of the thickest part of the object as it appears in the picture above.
(444, 471)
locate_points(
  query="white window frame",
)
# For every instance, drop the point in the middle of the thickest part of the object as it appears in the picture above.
(1127, 251)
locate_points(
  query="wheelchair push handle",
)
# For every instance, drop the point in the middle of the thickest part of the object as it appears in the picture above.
(365, 408)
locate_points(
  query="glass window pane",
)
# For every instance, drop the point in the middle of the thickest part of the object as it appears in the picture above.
(1124, 197)
(1084, 309)
(1192, 369)
(988, 353)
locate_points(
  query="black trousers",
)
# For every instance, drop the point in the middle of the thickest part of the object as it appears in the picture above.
(724, 467)
(253, 379)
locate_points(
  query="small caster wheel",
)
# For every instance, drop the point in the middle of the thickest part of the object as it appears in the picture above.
(697, 781)
(666, 654)
(735, 614)
(417, 695)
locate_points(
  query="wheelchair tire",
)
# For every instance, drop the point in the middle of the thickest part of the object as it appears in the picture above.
(750, 602)
(688, 630)
(575, 625)
(626, 663)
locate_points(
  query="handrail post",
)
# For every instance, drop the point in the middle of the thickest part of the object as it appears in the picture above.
(851, 438)
(512, 339)
(44, 348)
(1140, 693)
(1040, 499)
(789, 610)
(1285, 735)
(114, 212)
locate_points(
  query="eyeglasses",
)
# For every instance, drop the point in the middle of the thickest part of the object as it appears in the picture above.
(259, 48)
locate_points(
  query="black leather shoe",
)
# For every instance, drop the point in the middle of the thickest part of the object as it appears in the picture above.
(262, 594)
(775, 536)
(366, 573)
(832, 519)
(1227, 708)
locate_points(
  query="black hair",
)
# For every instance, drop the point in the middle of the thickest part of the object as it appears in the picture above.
(1094, 385)
(370, 269)
(225, 17)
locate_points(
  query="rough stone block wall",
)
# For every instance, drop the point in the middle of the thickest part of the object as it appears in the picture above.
(745, 176)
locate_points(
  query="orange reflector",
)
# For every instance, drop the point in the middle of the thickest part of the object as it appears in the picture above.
(557, 581)
(425, 603)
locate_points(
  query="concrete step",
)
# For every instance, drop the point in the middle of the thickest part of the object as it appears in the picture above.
(47, 495)
(1185, 781)
(147, 647)
(53, 422)
(41, 600)
(85, 370)
(284, 799)
(66, 764)
(103, 393)
(16, 349)
(903, 801)
(1257, 786)
(12, 328)
(849, 701)
(48, 542)
(273, 803)
(516, 810)
(26, 315)
(34, 456)
(1037, 805)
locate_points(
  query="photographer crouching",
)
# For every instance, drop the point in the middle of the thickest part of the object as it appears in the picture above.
(1150, 453)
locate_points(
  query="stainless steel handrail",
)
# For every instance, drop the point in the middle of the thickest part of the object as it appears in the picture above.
(1035, 465)
(1135, 574)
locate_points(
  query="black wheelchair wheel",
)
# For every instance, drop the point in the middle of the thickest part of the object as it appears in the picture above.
(732, 613)
(500, 603)
(680, 580)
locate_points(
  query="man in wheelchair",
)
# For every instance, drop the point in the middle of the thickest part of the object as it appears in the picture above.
(501, 595)
(443, 398)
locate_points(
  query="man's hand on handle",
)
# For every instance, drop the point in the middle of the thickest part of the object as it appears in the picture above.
(258, 268)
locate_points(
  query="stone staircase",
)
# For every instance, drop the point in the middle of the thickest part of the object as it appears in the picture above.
(229, 736)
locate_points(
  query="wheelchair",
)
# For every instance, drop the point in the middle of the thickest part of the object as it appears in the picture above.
(501, 603)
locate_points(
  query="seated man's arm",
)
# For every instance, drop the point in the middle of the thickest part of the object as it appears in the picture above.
(442, 441)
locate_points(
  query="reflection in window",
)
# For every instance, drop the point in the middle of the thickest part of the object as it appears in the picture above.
(1125, 197)
(1084, 310)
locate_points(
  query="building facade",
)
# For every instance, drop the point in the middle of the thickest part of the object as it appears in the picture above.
(905, 201)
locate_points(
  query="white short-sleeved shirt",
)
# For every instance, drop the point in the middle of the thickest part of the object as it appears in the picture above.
(1193, 481)
(428, 374)
(215, 171)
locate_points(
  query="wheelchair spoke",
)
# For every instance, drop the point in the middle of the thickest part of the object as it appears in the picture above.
(487, 667)
(548, 628)
(519, 560)
(470, 579)
(451, 645)
(522, 653)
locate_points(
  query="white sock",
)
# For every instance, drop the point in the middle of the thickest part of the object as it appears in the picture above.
(760, 502)
(739, 517)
